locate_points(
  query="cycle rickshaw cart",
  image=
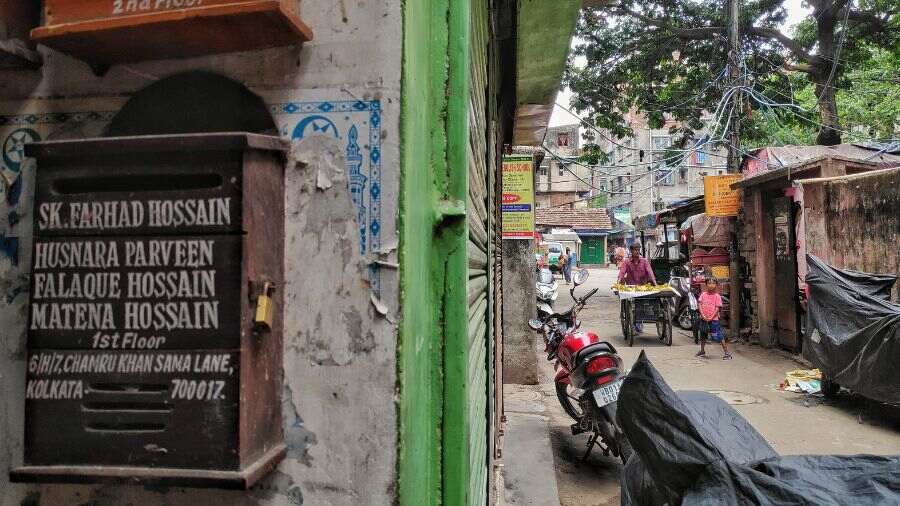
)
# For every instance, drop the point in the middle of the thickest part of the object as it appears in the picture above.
(653, 306)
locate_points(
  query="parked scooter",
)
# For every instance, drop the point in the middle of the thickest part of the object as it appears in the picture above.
(546, 288)
(686, 314)
(589, 375)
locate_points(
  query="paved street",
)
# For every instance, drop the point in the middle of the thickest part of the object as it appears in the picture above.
(792, 423)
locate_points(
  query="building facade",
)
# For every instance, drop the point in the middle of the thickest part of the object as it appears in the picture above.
(561, 181)
(590, 225)
(644, 177)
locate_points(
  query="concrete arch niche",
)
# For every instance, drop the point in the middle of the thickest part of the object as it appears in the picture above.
(193, 102)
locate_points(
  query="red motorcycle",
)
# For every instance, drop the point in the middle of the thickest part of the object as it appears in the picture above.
(589, 375)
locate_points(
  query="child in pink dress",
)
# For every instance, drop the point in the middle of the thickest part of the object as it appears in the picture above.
(710, 304)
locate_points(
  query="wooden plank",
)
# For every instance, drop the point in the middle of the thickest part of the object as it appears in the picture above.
(237, 480)
(262, 363)
(67, 11)
(182, 33)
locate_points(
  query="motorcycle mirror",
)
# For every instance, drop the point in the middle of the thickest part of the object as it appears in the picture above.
(535, 324)
(580, 276)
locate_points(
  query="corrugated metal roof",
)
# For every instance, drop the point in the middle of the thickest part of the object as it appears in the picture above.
(777, 157)
(850, 177)
(582, 219)
(774, 162)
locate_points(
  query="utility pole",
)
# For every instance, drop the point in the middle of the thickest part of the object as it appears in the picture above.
(734, 164)
(734, 136)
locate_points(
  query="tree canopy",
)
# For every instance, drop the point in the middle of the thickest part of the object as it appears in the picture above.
(868, 104)
(667, 58)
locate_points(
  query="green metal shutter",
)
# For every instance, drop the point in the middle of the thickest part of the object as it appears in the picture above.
(480, 347)
(593, 251)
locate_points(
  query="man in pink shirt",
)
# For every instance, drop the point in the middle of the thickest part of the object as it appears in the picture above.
(636, 270)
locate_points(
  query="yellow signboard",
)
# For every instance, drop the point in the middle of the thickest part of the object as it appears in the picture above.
(720, 271)
(517, 204)
(720, 199)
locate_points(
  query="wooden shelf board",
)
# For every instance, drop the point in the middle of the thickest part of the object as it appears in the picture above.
(202, 478)
(180, 33)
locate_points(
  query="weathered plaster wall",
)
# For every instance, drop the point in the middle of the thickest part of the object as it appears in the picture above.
(519, 305)
(854, 223)
(337, 99)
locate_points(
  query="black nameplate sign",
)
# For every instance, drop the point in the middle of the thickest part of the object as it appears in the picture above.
(143, 357)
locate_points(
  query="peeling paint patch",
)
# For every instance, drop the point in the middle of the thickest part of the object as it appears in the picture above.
(380, 306)
(296, 436)
(275, 484)
(323, 182)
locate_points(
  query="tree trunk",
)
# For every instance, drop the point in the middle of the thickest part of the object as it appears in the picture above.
(830, 131)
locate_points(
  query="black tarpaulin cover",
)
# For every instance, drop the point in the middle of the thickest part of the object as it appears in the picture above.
(853, 330)
(693, 448)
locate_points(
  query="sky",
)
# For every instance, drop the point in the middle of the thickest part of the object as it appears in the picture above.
(796, 12)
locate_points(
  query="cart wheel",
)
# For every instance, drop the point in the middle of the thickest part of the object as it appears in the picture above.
(664, 332)
(630, 322)
(667, 326)
(623, 317)
(661, 319)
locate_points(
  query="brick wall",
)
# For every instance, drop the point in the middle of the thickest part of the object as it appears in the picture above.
(747, 249)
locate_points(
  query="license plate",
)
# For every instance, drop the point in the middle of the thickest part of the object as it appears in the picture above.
(607, 394)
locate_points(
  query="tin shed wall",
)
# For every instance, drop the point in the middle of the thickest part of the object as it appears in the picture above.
(854, 223)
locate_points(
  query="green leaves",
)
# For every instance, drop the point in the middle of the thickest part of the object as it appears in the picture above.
(659, 56)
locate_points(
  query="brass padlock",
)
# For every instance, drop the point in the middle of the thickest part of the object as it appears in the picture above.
(265, 307)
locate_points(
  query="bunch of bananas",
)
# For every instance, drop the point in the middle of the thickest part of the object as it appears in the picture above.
(619, 287)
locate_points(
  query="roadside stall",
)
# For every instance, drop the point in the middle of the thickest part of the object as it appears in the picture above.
(660, 256)
(667, 252)
(706, 238)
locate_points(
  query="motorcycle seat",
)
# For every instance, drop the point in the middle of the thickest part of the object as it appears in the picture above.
(591, 349)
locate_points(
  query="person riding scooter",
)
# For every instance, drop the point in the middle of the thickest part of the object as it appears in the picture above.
(636, 270)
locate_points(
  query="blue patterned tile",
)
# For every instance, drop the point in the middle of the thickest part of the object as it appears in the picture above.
(357, 124)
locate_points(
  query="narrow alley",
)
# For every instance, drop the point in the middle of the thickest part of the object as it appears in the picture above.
(792, 423)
